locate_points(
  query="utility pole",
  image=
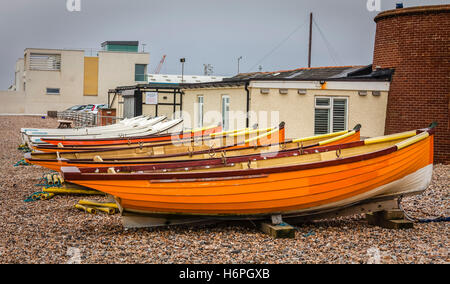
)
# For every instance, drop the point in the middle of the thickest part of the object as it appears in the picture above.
(182, 60)
(239, 59)
(310, 39)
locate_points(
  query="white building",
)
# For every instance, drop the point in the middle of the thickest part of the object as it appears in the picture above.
(55, 79)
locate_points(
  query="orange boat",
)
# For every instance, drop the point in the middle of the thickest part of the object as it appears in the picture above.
(252, 146)
(226, 136)
(130, 140)
(288, 184)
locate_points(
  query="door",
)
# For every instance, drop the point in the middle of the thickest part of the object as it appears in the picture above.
(128, 107)
(225, 112)
(200, 111)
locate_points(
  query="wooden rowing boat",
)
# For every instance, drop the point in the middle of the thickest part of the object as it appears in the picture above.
(288, 184)
(265, 136)
(80, 143)
(227, 138)
(199, 153)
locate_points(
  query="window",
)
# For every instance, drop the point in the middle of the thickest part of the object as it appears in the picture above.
(53, 91)
(200, 111)
(225, 112)
(140, 72)
(46, 62)
(330, 115)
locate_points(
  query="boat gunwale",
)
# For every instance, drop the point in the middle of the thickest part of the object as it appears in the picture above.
(125, 160)
(135, 145)
(74, 173)
(230, 160)
(178, 142)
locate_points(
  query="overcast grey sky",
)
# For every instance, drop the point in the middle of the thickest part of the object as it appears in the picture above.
(270, 33)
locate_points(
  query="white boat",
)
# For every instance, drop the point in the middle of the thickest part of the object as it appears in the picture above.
(26, 133)
(160, 127)
(139, 123)
(137, 127)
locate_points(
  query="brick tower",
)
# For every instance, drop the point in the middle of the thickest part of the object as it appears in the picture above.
(416, 43)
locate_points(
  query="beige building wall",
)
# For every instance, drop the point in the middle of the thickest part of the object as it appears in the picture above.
(167, 110)
(19, 76)
(117, 69)
(298, 110)
(12, 102)
(212, 100)
(294, 109)
(118, 105)
(69, 80)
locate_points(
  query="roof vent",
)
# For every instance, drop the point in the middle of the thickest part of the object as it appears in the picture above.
(283, 91)
(301, 91)
(264, 91)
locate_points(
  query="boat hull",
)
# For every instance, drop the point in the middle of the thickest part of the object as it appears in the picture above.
(284, 190)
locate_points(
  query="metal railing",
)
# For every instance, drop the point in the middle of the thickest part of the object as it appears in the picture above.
(87, 119)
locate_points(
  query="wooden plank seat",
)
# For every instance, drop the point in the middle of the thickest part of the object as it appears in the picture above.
(64, 123)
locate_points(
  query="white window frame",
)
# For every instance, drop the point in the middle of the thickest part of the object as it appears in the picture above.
(200, 110)
(225, 121)
(45, 61)
(144, 76)
(53, 93)
(330, 107)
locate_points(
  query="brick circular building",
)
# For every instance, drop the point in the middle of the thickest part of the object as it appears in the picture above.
(415, 42)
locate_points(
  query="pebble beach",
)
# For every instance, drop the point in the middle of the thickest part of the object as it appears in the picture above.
(52, 231)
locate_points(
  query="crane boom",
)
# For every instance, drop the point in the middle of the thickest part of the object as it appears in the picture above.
(158, 69)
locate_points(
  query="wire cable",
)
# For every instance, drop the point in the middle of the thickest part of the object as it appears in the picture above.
(278, 45)
(331, 50)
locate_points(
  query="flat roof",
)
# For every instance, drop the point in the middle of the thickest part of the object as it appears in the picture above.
(129, 43)
(53, 49)
(330, 73)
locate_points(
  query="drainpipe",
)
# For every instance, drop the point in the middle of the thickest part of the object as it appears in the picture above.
(247, 122)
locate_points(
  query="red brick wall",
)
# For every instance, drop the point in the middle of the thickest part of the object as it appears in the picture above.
(417, 44)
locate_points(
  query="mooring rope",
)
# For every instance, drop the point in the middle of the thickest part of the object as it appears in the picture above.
(22, 162)
(418, 220)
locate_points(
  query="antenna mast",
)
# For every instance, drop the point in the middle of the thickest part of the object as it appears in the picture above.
(310, 39)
